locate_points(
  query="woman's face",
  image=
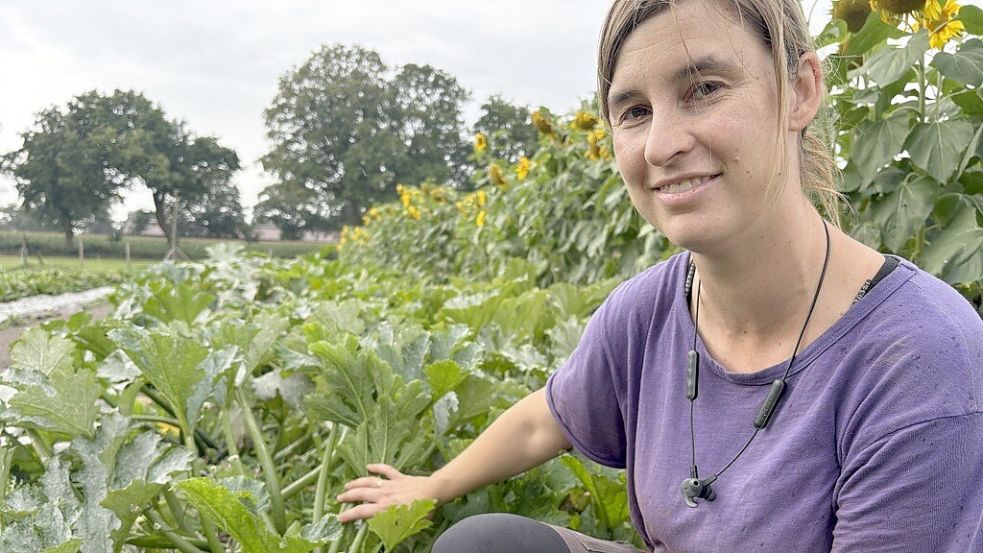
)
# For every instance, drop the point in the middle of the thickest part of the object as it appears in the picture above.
(693, 107)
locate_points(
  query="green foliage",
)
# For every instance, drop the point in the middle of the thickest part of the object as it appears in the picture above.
(508, 129)
(71, 166)
(21, 283)
(236, 511)
(156, 419)
(59, 171)
(565, 211)
(912, 118)
(346, 128)
(400, 522)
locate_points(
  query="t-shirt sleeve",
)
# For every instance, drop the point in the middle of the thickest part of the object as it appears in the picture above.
(585, 394)
(914, 490)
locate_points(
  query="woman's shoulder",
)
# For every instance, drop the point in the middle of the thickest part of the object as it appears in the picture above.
(919, 305)
(915, 355)
(654, 288)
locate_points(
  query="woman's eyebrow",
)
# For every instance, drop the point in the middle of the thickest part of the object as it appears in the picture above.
(616, 100)
(708, 64)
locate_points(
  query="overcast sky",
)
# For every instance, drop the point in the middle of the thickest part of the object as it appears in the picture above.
(215, 63)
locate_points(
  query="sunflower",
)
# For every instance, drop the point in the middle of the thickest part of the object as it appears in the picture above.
(892, 10)
(495, 175)
(480, 142)
(541, 123)
(854, 12)
(941, 22)
(584, 121)
(522, 168)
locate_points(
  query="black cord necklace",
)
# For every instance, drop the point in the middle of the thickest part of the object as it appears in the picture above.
(694, 488)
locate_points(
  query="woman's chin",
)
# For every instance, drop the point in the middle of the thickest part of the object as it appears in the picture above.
(694, 238)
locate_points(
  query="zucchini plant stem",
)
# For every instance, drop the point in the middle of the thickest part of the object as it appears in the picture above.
(40, 446)
(299, 484)
(157, 541)
(280, 455)
(269, 470)
(202, 440)
(209, 529)
(177, 510)
(322, 478)
(230, 442)
(155, 418)
(182, 544)
(6, 461)
(359, 538)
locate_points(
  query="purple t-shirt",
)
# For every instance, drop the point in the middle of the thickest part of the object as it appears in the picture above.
(876, 446)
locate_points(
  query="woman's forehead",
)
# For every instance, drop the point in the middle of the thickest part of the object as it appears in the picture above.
(693, 36)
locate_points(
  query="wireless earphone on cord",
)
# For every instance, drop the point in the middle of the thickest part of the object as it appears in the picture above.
(694, 488)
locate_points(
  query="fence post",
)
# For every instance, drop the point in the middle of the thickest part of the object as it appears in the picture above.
(23, 250)
(126, 247)
(81, 252)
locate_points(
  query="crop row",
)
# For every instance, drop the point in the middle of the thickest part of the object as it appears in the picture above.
(225, 403)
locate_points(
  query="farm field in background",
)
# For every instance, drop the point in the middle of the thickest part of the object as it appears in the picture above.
(146, 247)
(71, 264)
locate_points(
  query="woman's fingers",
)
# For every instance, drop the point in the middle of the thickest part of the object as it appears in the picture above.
(361, 494)
(364, 482)
(375, 493)
(385, 470)
(363, 511)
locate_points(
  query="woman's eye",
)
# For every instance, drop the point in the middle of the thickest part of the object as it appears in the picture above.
(704, 89)
(634, 113)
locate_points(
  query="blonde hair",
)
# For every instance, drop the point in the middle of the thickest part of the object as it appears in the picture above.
(782, 26)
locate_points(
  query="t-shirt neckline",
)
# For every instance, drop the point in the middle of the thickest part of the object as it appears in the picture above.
(857, 312)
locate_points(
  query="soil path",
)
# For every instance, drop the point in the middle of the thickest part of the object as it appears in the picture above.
(99, 308)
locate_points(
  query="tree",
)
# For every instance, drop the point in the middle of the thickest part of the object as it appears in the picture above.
(162, 154)
(137, 221)
(509, 129)
(14, 218)
(215, 214)
(432, 126)
(345, 131)
(292, 208)
(60, 171)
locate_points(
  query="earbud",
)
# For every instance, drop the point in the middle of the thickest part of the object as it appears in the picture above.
(694, 488)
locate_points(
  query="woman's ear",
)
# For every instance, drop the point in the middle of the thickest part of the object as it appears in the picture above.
(807, 90)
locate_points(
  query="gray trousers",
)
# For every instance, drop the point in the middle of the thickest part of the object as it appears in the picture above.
(505, 533)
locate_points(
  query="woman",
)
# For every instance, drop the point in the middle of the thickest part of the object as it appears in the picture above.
(835, 399)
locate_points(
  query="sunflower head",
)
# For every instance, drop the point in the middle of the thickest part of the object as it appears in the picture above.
(854, 12)
(541, 123)
(891, 11)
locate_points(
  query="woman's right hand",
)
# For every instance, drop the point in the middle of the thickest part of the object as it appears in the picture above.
(376, 493)
(525, 436)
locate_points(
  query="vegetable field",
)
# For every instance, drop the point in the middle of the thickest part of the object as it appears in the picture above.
(231, 399)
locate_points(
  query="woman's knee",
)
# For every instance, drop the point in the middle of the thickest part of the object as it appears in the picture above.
(499, 533)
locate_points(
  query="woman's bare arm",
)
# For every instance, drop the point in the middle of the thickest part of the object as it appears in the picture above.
(525, 436)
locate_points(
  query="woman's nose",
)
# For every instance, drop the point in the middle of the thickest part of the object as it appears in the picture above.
(668, 138)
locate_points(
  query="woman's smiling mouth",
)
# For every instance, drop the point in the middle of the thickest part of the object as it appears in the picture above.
(684, 185)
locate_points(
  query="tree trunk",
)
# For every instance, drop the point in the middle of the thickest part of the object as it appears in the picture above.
(161, 215)
(352, 213)
(69, 233)
(66, 225)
